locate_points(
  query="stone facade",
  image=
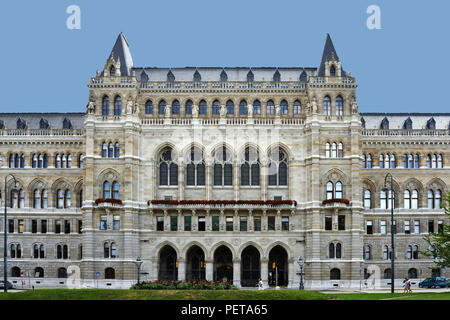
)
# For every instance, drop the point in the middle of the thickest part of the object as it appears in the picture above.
(220, 172)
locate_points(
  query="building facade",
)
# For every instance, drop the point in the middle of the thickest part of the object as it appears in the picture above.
(213, 173)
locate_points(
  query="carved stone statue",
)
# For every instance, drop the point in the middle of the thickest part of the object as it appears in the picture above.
(136, 108)
(223, 111)
(91, 107)
(167, 111)
(314, 106)
(277, 110)
(129, 107)
(354, 106)
(250, 111)
(195, 111)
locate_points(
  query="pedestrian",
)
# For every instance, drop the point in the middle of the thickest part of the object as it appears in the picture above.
(405, 285)
(260, 284)
(408, 283)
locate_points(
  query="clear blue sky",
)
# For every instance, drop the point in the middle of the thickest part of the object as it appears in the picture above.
(402, 68)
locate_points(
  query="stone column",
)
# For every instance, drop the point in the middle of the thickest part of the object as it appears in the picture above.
(180, 178)
(237, 272)
(236, 220)
(264, 178)
(166, 221)
(265, 271)
(222, 220)
(209, 178)
(181, 269)
(208, 222)
(209, 269)
(180, 221)
(236, 180)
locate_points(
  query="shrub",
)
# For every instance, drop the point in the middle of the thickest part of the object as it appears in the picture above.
(184, 285)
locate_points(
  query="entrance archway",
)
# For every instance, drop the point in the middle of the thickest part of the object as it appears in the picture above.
(278, 275)
(223, 264)
(168, 264)
(250, 267)
(195, 264)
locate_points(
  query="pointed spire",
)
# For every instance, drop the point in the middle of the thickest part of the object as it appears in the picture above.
(121, 52)
(329, 53)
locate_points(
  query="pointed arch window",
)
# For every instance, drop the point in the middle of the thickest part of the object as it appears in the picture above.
(415, 199)
(216, 107)
(58, 161)
(63, 161)
(334, 150)
(115, 190)
(278, 168)
(106, 190)
(67, 198)
(250, 167)
(104, 150)
(80, 161)
(327, 150)
(40, 161)
(332, 71)
(202, 107)
(367, 254)
(117, 150)
(176, 107)
(270, 107)
(340, 150)
(149, 107)
(327, 106)
(256, 107)
(168, 168)
(162, 107)
(22, 160)
(105, 106)
(188, 107)
(385, 200)
(369, 161)
(118, 106)
(367, 199)
(230, 107)
(44, 199)
(223, 167)
(284, 107)
(195, 168)
(339, 106)
(60, 198)
(439, 161)
(330, 189)
(297, 107)
(11, 161)
(243, 107)
(37, 199)
(385, 252)
(110, 150)
(407, 199)
(112, 71)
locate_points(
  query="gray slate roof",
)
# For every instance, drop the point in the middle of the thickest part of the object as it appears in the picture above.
(397, 120)
(33, 119)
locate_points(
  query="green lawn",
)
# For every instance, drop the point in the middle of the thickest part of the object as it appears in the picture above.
(111, 294)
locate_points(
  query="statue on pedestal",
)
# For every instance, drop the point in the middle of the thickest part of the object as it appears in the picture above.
(167, 111)
(129, 107)
(277, 110)
(223, 111)
(90, 107)
(314, 106)
(250, 111)
(195, 111)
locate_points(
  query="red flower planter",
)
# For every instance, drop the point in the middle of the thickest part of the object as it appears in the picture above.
(224, 202)
(345, 201)
(113, 201)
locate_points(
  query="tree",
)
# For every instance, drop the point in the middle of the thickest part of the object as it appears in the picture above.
(440, 242)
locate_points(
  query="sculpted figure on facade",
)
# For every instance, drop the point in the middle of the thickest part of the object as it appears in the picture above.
(91, 107)
(223, 111)
(195, 111)
(250, 111)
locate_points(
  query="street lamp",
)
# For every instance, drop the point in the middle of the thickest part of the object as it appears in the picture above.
(301, 263)
(5, 235)
(139, 263)
(385, 189)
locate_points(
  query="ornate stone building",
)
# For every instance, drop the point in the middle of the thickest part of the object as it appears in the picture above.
(221, 172)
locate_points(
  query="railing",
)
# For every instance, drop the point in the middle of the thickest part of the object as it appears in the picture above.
(402, 132)
(42, 132)
(218, 85)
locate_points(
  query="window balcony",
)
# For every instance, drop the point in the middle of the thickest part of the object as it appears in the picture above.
(109, 203)
(335, 203)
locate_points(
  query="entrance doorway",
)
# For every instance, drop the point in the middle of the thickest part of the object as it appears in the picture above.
(223, 264)
(195, 264)
(279, 275)
(168, 264)
(250, 267)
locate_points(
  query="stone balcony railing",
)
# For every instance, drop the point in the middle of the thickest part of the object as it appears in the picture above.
(42, 132)
(403, 132)
(109, 203)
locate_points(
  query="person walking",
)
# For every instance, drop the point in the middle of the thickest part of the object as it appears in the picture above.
(405, 285)
(260, 284)
(408, 285)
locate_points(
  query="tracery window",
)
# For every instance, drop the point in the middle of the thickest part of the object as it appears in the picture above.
(284, 108)
(339, 106)
(278, 168)
(105, 106)
(149, 107)
(230, 107)
(223, 167)
(256, 107)
(195, 168)
(168, 168)
(176, 107)
(203, 108)
(327, 106)
(117, 106)
(270, 107)
(297, 107)
(243, 107)
(250, 167)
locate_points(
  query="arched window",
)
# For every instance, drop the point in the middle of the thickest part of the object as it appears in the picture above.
(330, 188)
(21, 198)
(63, 161)
(256, 107)
(437, 199)
(340, 150)
(67, 198)
(36, 251)
(104, 150)
(60, 198)
(80, 161)
(332, 71)
(216, 107)
(176, 107)
(118, 106)
(338, 251)
(364, 163)
(58, 161)
(439, 161)
(327, 150)
(393, 162)
(11, 161)
(41, 251)
(105, 106)
(106, 250)
(16, 161)
(284, 107)
(412, 273)
(409, 252)
(297, 107)
(428, 161)
(416, 161)
(39, 272)
(106, 190)
(334, 150)
(367, 199)
(331, 251)
(230, 107)
(369, 161)
(250, 167)
(59, 251)
(407, 199)
(338, 192)
(270, 107)
(15, 272)
(223, 167)
(415, 252)
(12, 254)
(367, 255)
(69, 161)
(339, 106)
(115, 190)
(44, 199)
(385, 202)
(387, 273)
(433, 158)
(385, 252)
(112, 71)
(117, 150)
(110, 150)
(188, 107)
(37, 199)
(40, 161)
(110, 273)
(243, 107)
(113, 250)
(278, 168)
(430, 199)
(22, 160)
(195, 168)
(149, 107)
(202, 107)
(327, 106)
(62, 273)
(415, 199)
(410, 161)
(14, 199)
(168, 169)
(335, 274)
(34, 161)
(162, 107)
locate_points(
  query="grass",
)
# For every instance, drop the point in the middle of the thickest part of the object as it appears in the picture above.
(118, 294)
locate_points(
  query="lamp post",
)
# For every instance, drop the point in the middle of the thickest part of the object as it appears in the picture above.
(301, 263)
(139, 263)
(5, 234)
(385, 189)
